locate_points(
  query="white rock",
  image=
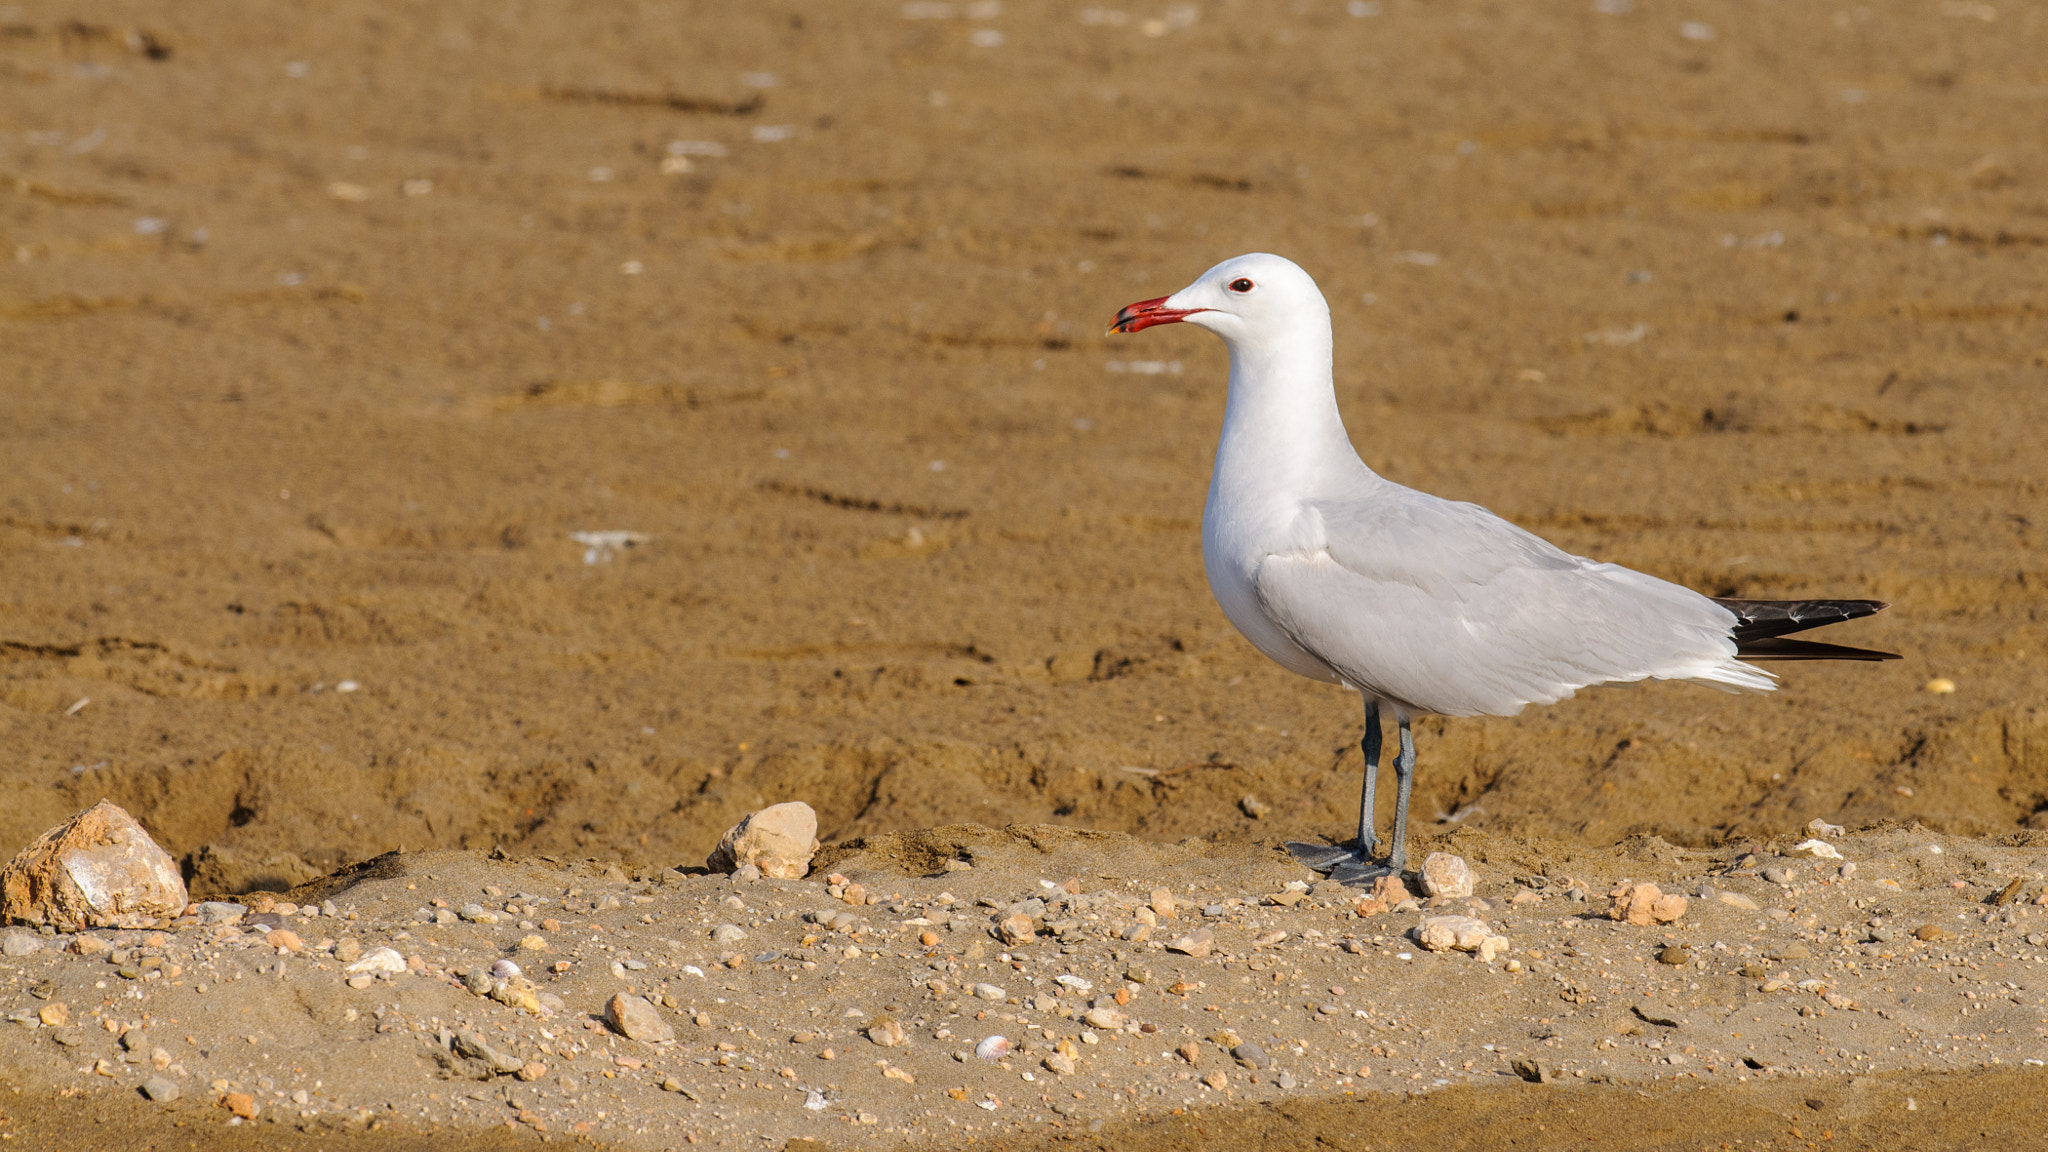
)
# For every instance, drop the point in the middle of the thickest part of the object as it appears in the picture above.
(378, 960)
(989, 992)
(1462, 934)
(1819, 848)
(1820, 827)
(779, 840)
(1446, 875)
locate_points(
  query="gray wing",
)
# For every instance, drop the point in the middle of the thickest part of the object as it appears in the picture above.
(1445, 607)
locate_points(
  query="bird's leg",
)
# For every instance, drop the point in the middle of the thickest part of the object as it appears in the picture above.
(1353, 864)
(1404, 773)
(1370, 745)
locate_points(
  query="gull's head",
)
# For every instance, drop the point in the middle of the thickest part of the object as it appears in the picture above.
(1254, 297)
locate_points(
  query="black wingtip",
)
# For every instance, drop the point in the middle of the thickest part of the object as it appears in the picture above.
(1760, 619)
(1779, 648)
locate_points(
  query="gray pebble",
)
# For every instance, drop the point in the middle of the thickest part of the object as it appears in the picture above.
(161, 1089)
(747, 872)
(728, 933)
(1285, 1081)
(221, 912)
(1778, 876)
(1251, 1056)
(19, 943)
(472, 1045)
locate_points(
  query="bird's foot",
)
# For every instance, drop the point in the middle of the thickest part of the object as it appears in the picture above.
(1345, 863)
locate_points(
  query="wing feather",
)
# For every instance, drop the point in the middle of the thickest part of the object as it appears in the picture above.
(1444, 607)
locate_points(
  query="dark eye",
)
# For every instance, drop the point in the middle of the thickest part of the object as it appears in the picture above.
(1241, 285)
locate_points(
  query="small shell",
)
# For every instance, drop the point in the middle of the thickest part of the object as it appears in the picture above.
(504, 970)
(993, 1048)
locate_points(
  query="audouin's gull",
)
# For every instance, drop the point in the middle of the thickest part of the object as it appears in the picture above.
(1420, 604)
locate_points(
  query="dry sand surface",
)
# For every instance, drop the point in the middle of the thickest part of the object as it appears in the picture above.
(893, 1000)
(323, 332)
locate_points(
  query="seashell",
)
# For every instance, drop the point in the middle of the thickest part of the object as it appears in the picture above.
(504, 970)
(993, 1048)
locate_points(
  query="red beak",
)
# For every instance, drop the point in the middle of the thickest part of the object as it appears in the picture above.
(1146, 313)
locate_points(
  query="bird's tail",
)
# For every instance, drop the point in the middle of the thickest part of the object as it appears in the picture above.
(1761, 625)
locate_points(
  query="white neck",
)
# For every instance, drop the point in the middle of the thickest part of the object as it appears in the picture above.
(1281, 428)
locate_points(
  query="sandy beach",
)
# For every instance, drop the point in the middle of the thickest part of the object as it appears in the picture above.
(474, 448)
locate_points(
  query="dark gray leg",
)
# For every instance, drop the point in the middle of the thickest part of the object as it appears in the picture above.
(1404, 773)
(1352, 863)
(1370, 745)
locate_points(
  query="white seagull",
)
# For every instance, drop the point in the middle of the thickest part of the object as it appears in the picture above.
(1420, 604)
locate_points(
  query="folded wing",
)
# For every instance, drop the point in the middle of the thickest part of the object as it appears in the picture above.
(1444, 607)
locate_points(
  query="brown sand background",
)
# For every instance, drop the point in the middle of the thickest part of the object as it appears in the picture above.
(272, 423)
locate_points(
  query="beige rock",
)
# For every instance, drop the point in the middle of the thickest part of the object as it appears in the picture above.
(1197, 943)
(1017, 929)
(779, 840)
(1461, 934)
(887, 1033)
(1736, 900)
(635, 1019)
(1644, 904)
(1104, 1018)
(1163, 904)
(521, 993)
(97, 870)
(378, 960)
(1060, 1063)
(1446, 875)
(1390, 891)
(1369, 906)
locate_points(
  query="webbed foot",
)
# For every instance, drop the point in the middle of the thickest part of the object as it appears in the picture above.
(1345, 863)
